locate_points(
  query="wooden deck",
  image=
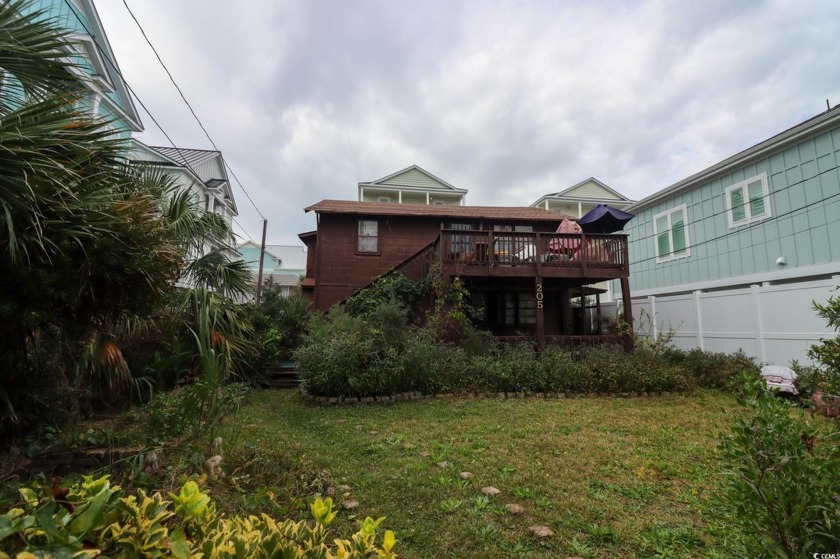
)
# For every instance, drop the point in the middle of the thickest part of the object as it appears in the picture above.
(519, 254)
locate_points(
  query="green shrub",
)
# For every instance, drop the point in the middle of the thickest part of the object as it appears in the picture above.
(94, 518)
(279, 323)
(187, 409)
(713, 370)
(827, 352)
(342, 355)
(784, 476)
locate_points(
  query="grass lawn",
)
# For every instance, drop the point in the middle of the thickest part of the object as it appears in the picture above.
(611, 477)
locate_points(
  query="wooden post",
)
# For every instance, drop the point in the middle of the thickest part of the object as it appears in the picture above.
(598, 313)
(262, 260)
(540, 316)
(628, 314)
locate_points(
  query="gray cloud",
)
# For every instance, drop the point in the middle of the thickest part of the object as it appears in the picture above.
(509, 99)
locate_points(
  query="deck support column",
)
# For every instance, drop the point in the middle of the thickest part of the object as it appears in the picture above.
(538, 293)
(628, 314)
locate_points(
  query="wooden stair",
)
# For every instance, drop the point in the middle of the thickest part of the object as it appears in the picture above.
(283, 375)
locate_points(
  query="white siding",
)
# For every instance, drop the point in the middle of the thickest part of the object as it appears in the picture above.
(414, 177)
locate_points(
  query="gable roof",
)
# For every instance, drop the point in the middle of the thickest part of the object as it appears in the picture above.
(817, 123)
(579, 188)
(206, 166)
(516, 213)
(414, 177)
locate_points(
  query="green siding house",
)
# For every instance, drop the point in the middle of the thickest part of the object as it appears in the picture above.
(731, 257)
(89, 49)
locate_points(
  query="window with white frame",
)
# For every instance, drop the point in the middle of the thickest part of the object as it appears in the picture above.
(671, 233)
(748, 201)
(368, 236)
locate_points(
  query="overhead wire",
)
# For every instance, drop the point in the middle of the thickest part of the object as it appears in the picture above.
(184, 98)
(742, 230)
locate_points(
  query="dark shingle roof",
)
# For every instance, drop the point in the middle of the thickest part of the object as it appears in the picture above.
(516, 213)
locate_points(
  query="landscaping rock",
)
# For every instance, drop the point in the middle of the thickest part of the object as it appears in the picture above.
(366, 400)
(443, 464)
(466, 475)
(541, 531)
(490, 490)
(425, 453)
(343, 488)
(407, 446)
(352, 503)
(513, 508)
(214, 467)
(331, 491)
(373, 432)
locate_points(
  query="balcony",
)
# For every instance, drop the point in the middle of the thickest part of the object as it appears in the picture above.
(520, 254)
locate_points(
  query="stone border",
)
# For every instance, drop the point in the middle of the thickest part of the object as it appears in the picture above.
(407, 396)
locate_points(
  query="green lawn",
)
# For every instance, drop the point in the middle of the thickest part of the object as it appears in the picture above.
(611, 477)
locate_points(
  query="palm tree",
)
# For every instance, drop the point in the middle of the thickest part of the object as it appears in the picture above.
(93, 252)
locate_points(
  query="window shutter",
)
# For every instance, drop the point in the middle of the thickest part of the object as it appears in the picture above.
(755, 191)
(736, 202)
(663, 244)
(678, 231)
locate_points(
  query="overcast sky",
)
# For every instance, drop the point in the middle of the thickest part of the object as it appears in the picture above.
(511, 100)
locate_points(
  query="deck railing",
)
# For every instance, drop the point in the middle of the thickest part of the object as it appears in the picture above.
(495, 248)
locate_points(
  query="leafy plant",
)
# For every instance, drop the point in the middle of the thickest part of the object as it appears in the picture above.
(95, 518)
(827, 351)
(784, 475)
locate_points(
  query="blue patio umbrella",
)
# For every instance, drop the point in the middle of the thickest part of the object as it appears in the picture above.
(604, 219)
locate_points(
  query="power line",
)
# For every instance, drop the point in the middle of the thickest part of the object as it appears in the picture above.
(738, 231)
(181, 93)
(145, 108)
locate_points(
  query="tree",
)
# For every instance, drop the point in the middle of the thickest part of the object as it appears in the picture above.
(93, 252)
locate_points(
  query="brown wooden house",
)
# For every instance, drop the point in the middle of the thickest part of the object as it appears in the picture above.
(514, 263)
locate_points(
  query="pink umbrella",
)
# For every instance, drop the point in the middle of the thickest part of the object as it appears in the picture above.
(566, 245)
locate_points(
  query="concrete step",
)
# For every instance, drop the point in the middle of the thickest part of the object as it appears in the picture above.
(284, 375)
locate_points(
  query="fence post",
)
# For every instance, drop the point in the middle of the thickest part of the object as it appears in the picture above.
(759, 323)
(699, 314)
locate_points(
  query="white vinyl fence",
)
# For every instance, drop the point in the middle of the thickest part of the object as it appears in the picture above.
(774, 323)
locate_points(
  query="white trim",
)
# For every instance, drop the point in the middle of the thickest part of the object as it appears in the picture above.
(659, 259)
(783, 275)
(743, 187)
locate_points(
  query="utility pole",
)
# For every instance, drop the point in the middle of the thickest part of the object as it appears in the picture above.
(262, 259)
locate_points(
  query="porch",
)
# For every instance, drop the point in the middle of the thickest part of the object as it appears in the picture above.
(527, 254)
(536, 285)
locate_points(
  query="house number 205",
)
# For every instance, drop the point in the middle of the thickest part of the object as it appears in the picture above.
(539, 296)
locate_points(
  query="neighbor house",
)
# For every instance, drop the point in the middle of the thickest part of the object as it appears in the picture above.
(200, 171)
(285, 265)
(732, 257)
(88, 48)
(412, 185)
(579, 199)
(517, 268)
